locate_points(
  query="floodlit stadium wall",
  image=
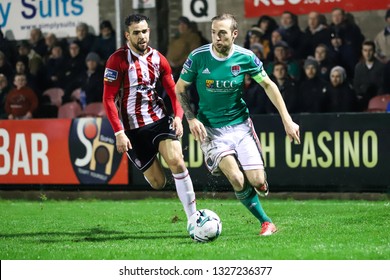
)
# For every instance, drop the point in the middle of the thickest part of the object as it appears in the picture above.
(339, 152)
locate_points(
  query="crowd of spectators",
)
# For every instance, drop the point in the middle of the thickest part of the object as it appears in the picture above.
(324, 67)
(28, 68)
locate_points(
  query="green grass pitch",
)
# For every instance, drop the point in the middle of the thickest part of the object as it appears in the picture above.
(152, 229)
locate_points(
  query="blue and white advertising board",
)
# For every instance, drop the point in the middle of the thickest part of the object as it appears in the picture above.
(18, 17)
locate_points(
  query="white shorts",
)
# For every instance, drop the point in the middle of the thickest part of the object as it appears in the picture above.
(239, 140)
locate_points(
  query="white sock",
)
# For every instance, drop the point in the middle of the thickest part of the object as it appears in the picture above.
(185, 191)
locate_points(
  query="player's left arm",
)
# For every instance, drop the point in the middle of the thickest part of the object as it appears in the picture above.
(273, 93)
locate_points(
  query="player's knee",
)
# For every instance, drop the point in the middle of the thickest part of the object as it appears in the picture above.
(156, 183)
(257, 181)
(237, 180)
(176, 164)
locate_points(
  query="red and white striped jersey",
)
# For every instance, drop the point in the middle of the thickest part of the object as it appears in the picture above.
(137, 75)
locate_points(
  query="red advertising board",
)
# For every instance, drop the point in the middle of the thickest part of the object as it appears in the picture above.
(60, 151)
(257, 8)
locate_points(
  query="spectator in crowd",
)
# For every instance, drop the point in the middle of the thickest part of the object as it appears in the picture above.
(258, 50)
(194, 27)
(386, 80)
(287, 87)
(341, 53)
(282, 54)
(21, 102)
(4, 90)
(37, 41)
(313, 91)
(368, 81)
(21, 67)
(342, 97)
(276, 37)
(8, 48)
(6, 67)
(254, 96)
(325, 62)
(90, 81)
(181, 46)
(74, 66)
(266, 25)
(256, 37)
(51, 40)
(315, 33)
(291, 33)
(35, 61)
(382, 41)
(349, 31)
(85, 38)
(105, 43)
(54, 67)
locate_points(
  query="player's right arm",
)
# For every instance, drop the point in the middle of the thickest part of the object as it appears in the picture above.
(196, 127)
(112, 82)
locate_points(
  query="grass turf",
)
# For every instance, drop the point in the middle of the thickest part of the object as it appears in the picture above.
(153, 229)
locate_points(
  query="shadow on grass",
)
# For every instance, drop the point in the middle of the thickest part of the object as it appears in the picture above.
(96, 234)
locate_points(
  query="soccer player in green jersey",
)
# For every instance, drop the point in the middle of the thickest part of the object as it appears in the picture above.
(222, 125)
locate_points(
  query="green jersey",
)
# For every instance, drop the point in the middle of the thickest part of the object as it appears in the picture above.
(220, 83)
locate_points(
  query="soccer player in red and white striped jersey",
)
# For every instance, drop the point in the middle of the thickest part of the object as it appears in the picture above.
(141, 124)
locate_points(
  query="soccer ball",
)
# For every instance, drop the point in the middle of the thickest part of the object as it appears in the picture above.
(204, 226)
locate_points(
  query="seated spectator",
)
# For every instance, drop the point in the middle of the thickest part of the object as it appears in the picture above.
(287, 87)
(90, 81)
(315, 33)
(51, 40)
(276, 37)
(313, 91)
(351, 35)
(21, 67)
(341, 53)
(37, 41)
(8, 48)
(85, 38)
(258, 50)
(267, 25)
(325, 62)
(21, 102)
(35, 61)
(105, 43)
(342, 97)
(382, 41)
(291, 33)
(181, 45)
(257, 37)
(282, 54)
(6, 67)
(4, 90)
(368, 77)
(74, 66)
(254, 96)
(54, 67)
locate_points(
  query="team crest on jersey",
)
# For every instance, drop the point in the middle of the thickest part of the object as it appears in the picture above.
(235, 70)
(210, 84)
(110, 75)
(188, 63)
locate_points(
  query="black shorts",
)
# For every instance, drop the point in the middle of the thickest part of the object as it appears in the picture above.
(145, 141)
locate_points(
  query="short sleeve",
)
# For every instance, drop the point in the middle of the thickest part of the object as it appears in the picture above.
(189, 71)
